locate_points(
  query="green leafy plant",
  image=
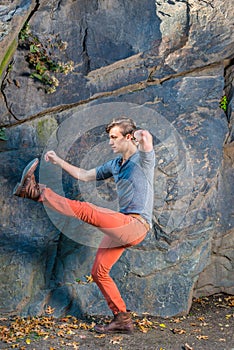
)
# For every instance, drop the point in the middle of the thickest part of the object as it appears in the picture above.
(41, 59)
(224, 103)
(24, 33)
(3, 134)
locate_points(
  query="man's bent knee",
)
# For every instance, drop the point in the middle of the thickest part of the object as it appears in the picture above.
(99, 273)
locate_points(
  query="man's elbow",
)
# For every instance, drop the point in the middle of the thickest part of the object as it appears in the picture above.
(89, 175)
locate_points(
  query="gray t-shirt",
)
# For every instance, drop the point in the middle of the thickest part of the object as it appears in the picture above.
(134, 181)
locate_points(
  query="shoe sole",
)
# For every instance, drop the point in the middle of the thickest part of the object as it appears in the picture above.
(114, 331)
(31, 167)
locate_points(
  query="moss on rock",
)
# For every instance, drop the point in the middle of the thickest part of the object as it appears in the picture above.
(44, 128)
(8, 56)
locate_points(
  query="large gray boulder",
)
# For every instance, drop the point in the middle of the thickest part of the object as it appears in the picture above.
(167, 64)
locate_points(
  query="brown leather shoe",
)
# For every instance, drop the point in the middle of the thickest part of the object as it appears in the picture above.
(122, 323)
(28, 187)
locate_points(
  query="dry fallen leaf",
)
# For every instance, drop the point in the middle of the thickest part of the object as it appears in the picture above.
(191, 127)
(144, 325)
(49, 310)
(100, 336)
(196, 330)
(230, 300)
(143, 329)
(179, 331)
(201, 300)
(82, 336)
(201, 318)
(177, 320)
(61, 334)
(202, 337)
(74, 345)
(188, 347)
(116, 340)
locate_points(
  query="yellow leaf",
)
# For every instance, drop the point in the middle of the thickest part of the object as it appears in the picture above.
(201, 318)
(162, 325)
(89, 278)
(28, 341)
(228, 316)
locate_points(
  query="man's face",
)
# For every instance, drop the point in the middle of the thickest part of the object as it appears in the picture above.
(118, 142)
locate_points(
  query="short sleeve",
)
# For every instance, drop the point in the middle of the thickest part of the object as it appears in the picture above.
(104, 171)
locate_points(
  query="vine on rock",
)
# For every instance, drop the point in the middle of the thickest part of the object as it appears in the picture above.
(39, 56)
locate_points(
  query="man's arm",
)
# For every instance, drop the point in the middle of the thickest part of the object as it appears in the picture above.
(77, 173)
(145, 140)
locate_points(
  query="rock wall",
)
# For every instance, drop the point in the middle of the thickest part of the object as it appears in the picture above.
(168, 64)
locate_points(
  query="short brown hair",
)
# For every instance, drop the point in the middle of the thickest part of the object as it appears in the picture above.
(126, 125)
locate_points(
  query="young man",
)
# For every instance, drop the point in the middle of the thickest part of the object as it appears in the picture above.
(133, 172)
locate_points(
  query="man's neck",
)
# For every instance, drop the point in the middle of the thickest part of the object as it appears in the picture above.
(126, 155)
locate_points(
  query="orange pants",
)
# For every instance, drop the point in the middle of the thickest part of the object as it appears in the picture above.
(121, 231)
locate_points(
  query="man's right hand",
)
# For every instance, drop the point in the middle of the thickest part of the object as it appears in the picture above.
(77, 173)
(52, 157)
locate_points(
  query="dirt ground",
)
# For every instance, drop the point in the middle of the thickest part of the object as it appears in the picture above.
(209, 326)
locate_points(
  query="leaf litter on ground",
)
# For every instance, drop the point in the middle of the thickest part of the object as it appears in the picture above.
(23, 333)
